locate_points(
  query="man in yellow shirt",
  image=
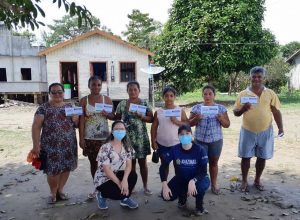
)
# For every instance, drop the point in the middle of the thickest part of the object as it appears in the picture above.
(257, 104)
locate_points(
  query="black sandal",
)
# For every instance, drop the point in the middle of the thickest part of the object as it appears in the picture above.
(51, 200)
(62, 196)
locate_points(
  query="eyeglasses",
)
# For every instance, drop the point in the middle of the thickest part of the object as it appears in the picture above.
(59, 92)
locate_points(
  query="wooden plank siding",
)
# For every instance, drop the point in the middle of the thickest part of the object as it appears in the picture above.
(97, 48)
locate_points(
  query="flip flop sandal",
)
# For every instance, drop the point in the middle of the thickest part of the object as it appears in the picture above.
(259, 186)
(51, 200)
(92, 195)
(62, 196)
(216, 191)
(148, 192)
(245, 188)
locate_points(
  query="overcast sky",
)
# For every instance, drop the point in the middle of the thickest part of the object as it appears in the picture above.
(282, 16)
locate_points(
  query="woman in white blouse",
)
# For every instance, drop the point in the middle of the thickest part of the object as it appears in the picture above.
(111, 180)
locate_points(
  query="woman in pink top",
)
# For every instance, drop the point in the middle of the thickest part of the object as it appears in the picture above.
(164, 129)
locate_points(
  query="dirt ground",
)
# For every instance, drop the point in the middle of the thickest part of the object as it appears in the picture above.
(23, 191)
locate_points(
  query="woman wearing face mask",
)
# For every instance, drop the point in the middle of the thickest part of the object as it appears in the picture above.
(93, 126)
(137, 130)
(164, 129)
(110, 180)
(191, 177)
(208, 132)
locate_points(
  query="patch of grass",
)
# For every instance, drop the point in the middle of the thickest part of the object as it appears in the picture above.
(191, 98)
(290, 99)
(287, 99)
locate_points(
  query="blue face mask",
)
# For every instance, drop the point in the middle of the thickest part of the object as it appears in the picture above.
(185, 139)
(119, 134)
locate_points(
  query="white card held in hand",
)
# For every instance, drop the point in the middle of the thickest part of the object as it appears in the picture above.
(249, 99)
(77, 111)
(140, 109)
(209, 110)
(70, 111)
(172, 112)
(99, 107)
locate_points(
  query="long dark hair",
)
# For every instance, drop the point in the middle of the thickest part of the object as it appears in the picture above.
(209, 87)
(125, 141)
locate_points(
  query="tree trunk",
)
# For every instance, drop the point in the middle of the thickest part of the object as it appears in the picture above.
(232, 82)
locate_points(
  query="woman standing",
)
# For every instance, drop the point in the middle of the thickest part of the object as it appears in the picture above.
(111, 180)
(93, 126)
(164, 129)
(208, 132)
(54, 133)
(137, 131)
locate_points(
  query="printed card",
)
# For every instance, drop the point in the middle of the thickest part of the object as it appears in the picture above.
(70, 111)
(209, 110)
(141, 109)
(172, 112)
(249, 99)
(99, 107)
(77, 111)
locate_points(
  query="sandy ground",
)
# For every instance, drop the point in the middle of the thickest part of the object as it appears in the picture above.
(23, 190)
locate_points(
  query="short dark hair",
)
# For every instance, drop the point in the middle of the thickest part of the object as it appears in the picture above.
(133, 83)
(169, 89)
(56, 84)
(92, 78)
(184, 127)
(209, 87)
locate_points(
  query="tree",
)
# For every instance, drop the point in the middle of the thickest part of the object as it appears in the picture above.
(205, 38)
(289, 49)
(142, 30)
(276, 70)
(26, 33)
(66, 28)
(25, 12)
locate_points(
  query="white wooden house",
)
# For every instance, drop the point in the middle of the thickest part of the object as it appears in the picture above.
(97, 52)
(22, 71)
(294, 74)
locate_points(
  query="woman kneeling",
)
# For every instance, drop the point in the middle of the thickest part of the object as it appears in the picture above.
(110, 180)
(190, 171)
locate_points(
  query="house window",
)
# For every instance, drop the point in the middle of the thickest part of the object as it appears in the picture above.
(127, 71)
(99, 69)
(3, 77)
(26, 73)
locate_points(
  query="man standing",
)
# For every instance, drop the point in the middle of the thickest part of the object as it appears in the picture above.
(257, 104)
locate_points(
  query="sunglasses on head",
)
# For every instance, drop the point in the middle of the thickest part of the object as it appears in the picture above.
(59, 92)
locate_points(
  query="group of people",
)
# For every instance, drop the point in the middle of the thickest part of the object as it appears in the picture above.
(113, 154)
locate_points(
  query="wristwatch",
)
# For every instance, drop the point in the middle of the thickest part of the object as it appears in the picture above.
(195, 180)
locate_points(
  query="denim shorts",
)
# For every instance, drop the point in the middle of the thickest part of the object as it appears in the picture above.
(213, 149)
(260, 144)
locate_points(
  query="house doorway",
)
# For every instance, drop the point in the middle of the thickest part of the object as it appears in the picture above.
(99, 69)
(69, 75)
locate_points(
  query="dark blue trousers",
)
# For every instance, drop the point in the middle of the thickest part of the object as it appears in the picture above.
(179, 189)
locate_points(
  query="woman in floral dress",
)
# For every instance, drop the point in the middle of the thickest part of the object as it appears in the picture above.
(54, 133)
(136, 128)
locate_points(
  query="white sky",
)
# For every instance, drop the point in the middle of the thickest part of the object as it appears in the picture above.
(282, 16)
